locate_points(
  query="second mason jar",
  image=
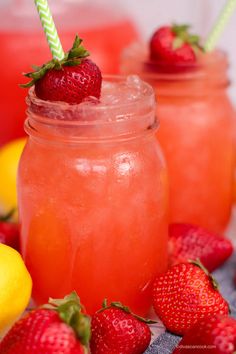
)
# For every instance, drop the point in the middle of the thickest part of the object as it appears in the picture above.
(93, 197)
(196, 134)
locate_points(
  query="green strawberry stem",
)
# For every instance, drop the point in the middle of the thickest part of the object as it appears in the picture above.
(198, 263)
(119, 305)
(69, 310)
(72, 58)
(183, 36)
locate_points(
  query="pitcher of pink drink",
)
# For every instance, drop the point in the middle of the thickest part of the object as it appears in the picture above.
(22, 44)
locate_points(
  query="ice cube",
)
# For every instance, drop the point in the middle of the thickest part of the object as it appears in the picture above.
(134, 81)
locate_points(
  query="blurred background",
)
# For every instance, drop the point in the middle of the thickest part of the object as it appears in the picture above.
(201, 14)
(106, 26)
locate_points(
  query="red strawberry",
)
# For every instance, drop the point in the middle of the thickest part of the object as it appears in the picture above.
(193, 242)
(9, 231)
(185, 294)
(9, 234)
(213, 335)
(70, 80)
(57, 329)
(173, 47)
(116, 330)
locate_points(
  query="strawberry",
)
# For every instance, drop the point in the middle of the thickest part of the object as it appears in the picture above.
(116, 330)
(185, 294)
(173, 48)
(9, 231)
(71, 79)
(9, 234)
(192, 242)
(213, 335)
(58, 328)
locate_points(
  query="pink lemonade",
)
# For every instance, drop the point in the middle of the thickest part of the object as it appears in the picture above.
(93, 196)
(196, 135)
(23, 43)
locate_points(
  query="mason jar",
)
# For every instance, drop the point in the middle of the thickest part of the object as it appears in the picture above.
(197, 124)
(93, 197)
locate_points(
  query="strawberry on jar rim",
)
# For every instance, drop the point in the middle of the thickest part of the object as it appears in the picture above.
(174, 47)
(70, 80)
(185, 294)
(59, 327)
(115, 330)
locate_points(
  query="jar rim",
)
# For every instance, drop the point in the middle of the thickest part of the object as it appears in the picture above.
(79, 113)
(198, 72)
(123, 118)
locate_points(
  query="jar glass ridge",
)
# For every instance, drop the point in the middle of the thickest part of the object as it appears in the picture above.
(92, 120)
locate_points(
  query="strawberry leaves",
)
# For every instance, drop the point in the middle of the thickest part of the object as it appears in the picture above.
(77, 51)
(119, 305)
(39, 73)
(183, 36)
(69, 310)
(72, 58)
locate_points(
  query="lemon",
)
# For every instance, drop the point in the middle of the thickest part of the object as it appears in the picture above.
(9, 159)
(15, 286)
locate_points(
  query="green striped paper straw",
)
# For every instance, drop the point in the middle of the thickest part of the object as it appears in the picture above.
(50, 29)
(219, 26)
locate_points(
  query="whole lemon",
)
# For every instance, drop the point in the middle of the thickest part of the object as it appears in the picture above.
(15, 286)
(9, 159)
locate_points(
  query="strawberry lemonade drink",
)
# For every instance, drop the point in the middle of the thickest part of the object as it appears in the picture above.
(93, 196)
(196, 123)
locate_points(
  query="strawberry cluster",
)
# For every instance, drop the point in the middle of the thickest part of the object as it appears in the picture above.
(61, 327)
(187, 299)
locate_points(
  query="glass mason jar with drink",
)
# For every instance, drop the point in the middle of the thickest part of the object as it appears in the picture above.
(93, 197)
(196, 125)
